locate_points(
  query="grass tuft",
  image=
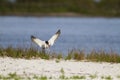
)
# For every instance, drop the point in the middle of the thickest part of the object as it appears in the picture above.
(62, 76)
(43, 78)
(108, 78)
(78, 77)
(103, 56)
(62, 71)
(118, 76)
(93, 76)
(11, 76)
(76, 55)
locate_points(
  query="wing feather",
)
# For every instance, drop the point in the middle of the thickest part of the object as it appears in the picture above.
(37, 41)
(54, 37)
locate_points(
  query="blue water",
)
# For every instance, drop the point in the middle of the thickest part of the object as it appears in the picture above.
(76, 32)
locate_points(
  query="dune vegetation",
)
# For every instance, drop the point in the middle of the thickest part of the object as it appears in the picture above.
(75, 54)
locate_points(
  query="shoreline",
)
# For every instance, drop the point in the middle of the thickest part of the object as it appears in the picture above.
(69, 14)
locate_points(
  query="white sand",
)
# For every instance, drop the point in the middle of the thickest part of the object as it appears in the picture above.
(51, 68)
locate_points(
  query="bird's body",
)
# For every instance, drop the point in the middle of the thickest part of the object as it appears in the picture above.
(46, 44)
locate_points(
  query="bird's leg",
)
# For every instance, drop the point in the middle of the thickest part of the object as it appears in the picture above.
(43, 50)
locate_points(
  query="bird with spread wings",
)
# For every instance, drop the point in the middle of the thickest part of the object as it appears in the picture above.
(46, 44)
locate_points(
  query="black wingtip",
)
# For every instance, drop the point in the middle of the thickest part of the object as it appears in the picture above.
(33, 37)
(58, 32)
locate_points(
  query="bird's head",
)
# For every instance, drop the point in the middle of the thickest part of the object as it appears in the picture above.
(47, 43)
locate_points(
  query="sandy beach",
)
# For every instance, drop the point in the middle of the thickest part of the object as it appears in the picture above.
(52, 68)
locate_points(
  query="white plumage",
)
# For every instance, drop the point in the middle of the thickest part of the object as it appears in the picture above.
(46, 44)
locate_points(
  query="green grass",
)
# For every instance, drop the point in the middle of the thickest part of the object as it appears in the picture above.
(108, 78)
(62, 76)
(43, 78)
(62, 71)
(11, 76)
(103, 56)
(75, 54)
(77, 77)
(57, 60)
(118, 76)
(29, 53)
(93, 76)
(14, 76)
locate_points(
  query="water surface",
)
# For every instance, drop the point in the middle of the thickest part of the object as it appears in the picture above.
(76, 32)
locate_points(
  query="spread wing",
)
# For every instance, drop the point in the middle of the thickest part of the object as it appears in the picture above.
(54, 37)
(37, 41)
